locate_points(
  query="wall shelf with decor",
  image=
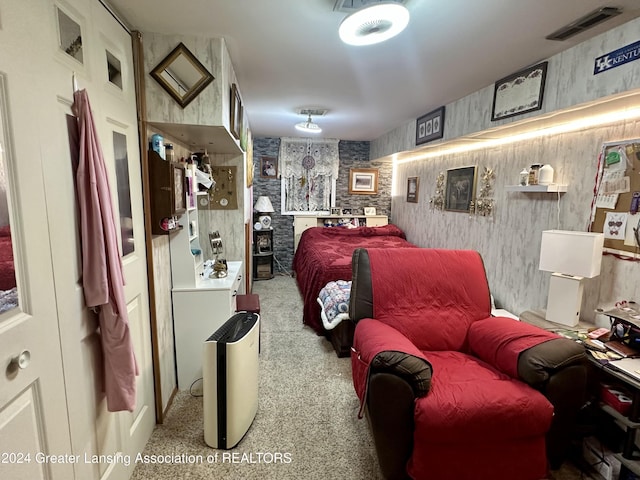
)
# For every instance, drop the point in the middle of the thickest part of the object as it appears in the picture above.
(186, 252)
(168, 200)
(553, 188)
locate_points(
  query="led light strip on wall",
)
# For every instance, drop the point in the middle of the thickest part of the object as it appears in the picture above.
(620, 108)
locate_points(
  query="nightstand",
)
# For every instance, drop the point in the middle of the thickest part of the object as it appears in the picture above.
(537, 318)
(263, 254)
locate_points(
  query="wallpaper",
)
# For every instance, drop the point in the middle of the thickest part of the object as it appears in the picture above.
(509, 241)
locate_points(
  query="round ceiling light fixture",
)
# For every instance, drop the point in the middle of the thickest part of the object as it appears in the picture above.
(308, 126)
(374, 24)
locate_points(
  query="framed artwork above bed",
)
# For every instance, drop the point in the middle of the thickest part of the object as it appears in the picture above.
(363, 181)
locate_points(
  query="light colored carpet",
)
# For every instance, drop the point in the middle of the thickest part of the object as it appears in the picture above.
(306, 426)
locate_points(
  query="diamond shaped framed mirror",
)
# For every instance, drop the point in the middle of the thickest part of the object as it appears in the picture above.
(182, 75)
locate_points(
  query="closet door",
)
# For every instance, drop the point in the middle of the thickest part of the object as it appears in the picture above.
(105, 70)
(33, 411)
(52, 322)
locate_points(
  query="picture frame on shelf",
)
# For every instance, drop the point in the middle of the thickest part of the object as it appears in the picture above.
(363, 181)
(235, 120)
(179, 191)
(460, 189)
(268, 167)
(263, 242)
(430, 126)
(369, 211)
(413, 183)
(346, 211)
(336, 211)
(520, 92)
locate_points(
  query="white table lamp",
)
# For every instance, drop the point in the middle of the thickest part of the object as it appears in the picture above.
(571, 256)
(262, 206)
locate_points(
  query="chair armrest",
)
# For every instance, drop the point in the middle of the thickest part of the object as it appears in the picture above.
(379, 348)
(503, 342)
(537, 364)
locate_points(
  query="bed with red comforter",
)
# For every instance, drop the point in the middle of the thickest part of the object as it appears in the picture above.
(324, 254)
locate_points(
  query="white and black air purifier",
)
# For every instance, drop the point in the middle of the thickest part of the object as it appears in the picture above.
(230, 380)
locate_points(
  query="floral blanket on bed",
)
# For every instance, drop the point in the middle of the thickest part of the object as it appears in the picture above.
(334, 303)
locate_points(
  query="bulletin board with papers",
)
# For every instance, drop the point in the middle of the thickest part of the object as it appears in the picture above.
(616, 206)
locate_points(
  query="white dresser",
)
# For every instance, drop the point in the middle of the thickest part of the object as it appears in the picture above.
(199, 311)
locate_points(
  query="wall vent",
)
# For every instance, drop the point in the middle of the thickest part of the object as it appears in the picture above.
(350, 6)
(584, 23)
(314, 112)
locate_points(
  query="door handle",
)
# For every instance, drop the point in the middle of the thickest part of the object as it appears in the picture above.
(22, 360)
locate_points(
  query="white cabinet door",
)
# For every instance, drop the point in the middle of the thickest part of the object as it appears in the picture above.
(300, 224)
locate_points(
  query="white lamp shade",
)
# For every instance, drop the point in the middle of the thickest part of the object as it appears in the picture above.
(263, 205)
(572, 253)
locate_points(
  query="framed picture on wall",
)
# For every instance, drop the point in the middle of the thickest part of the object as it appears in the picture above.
(236, 112)
(460, 189)
(268, 167)
(363, 181)
(430, 126)
(519, 93)
(412, 189)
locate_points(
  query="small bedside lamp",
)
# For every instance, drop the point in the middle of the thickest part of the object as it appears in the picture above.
(572, 256)
(262, 206)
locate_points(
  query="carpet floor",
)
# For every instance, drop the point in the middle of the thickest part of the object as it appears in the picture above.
(306, 426)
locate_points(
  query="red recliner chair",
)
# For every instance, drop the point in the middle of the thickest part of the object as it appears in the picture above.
(451, 392)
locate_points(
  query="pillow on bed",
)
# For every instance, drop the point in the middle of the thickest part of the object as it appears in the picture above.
(334, 303)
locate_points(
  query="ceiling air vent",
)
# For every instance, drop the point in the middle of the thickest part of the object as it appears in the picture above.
(350, 6)
(314, 112)
(584, 23)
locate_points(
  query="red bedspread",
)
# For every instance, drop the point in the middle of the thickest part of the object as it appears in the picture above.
(324, 254)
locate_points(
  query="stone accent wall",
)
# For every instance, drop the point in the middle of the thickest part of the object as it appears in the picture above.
(352, 154)
(282, 224)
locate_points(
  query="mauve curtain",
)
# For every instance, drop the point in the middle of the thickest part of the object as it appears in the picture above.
(308, 168)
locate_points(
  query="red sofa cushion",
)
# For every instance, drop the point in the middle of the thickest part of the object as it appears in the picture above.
(469, 398)
(436, 304)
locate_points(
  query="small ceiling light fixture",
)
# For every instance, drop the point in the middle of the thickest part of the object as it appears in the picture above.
(374, 24)
(308, 126)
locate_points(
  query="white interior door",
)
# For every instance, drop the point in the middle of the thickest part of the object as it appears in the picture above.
(33, 410)
(106, 72)
(98, 50)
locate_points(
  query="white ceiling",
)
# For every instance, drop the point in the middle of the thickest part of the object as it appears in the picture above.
(287, 54)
